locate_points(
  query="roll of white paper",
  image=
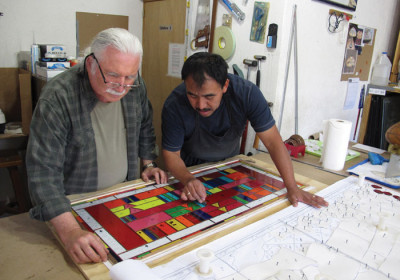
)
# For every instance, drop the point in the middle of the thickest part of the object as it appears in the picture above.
(336, 141)
(131, 270)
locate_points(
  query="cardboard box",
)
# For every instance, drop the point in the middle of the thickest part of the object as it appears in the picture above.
(52, 50)
(48, 73)
(54, 65)
(16, 96)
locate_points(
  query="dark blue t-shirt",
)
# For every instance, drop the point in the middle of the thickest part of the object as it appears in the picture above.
(246, 102)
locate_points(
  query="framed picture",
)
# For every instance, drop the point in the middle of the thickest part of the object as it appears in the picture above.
(346, 4)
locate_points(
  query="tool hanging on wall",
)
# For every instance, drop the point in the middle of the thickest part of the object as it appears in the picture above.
(202, 16)
(292, 41)
(360, 107)
(227, 20)
(272, 35)
(250, 63)
(234, 9)
(259, 58)
(259, 22)
(237, 71)
(202, 38)
(202, 25)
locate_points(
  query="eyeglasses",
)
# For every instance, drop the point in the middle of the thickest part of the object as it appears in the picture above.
(116, 85)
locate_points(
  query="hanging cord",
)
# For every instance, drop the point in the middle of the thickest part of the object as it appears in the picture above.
(334, 22)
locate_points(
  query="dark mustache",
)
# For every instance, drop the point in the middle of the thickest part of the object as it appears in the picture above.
(203, 110)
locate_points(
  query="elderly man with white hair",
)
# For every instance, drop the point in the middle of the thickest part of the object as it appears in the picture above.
(90, 127)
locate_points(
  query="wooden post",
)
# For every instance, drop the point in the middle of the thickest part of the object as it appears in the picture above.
(364, 118)
(395, 69)
(213, 19)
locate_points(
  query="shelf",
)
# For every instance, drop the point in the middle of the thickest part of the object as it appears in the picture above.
(390, 88)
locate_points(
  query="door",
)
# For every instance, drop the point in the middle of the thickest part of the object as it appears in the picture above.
(163, 23)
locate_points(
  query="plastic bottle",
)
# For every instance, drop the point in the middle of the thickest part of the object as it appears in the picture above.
(34, 57)
(381, 70)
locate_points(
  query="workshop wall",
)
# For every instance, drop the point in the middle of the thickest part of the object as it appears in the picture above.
(53, 22)
(320, 53)
(48, 22)
(320, 57)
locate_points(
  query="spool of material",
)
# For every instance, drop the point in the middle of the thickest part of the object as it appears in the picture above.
(336, 141)
(205, 256)
(131, 270)
(383, 219)
(224, 42)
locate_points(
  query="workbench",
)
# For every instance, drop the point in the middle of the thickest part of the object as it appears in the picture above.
(31, 251)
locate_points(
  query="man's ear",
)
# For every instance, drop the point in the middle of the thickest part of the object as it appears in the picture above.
(225, 87)
(89, 60)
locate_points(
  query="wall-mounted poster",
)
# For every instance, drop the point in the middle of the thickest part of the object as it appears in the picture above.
(358, 52)
(350, 60)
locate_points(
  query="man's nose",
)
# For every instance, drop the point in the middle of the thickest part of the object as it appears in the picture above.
(201, 103)
(121, 80)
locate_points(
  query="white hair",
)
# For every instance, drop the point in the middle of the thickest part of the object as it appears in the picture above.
(118, 38)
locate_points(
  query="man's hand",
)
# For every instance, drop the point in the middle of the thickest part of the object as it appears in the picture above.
(158, 174)
(273, 142)
(194, 190)
(81, 245)
(84, 246)
(298, 195)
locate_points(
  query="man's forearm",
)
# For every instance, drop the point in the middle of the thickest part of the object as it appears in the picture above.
(284, 165)
(279, 155)
(177, 167)
(63, 224)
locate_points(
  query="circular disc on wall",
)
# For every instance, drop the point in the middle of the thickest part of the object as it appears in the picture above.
(224, 42)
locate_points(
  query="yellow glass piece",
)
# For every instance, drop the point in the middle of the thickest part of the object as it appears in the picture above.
(116, 209)
(223, 209)
(214, 190)
(148, 203)
(144, 201)
(229, 170)
(122, 213)
(144, 236)
(175, 224)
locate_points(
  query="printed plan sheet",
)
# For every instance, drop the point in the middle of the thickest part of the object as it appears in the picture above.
(357, 238)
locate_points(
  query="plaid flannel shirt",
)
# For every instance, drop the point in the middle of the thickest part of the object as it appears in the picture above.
(61, 155)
